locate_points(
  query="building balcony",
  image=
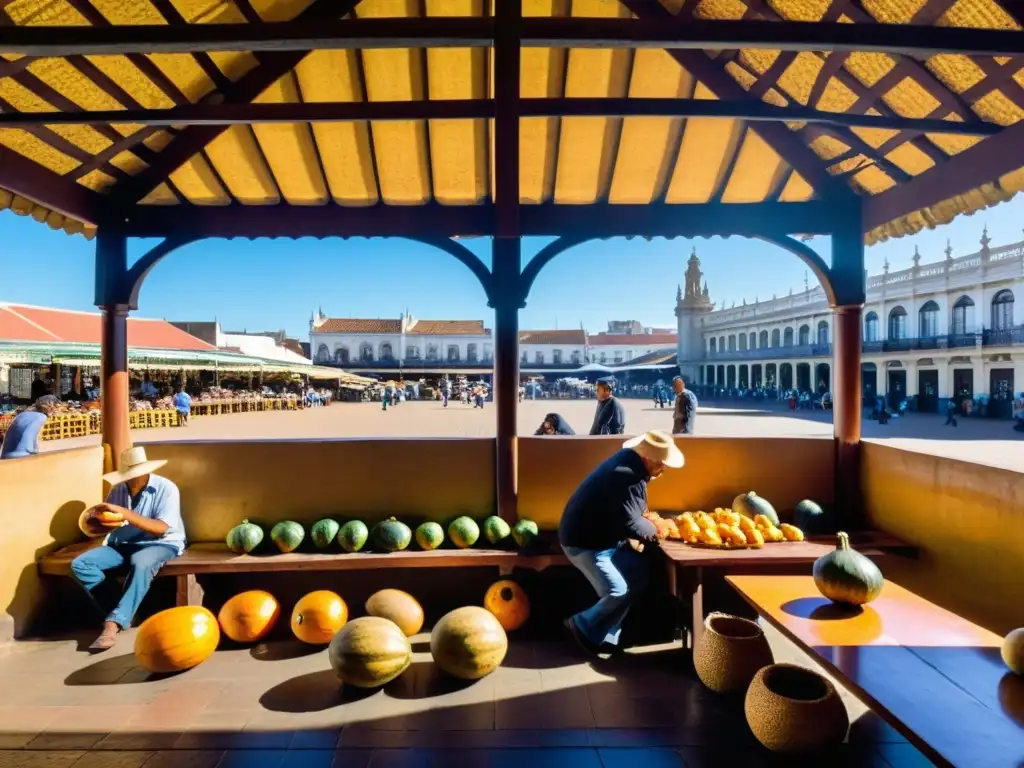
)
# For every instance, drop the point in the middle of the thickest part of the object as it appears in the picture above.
(1003, 336)
(412, 364)
(761, 353)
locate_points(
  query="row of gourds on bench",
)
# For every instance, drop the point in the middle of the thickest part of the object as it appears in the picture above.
(390, 535)
(467, 643)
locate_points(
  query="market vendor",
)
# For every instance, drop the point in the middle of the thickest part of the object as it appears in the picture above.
(183, 405)
(22, 438)
(150, 534)
(600, 519)
(610, 417)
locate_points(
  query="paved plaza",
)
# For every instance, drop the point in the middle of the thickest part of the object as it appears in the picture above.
(981, 441)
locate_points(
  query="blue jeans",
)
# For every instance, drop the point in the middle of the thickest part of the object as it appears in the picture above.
(617, 575)
(90, 570)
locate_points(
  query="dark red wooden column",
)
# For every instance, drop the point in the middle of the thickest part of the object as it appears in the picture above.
(849, 285)
(114, 373)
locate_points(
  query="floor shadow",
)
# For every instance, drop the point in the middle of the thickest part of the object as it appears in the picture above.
(114, 670)
(820, 609)
(312, 692)
(1011, 697)
(424, 680)
(281, 650)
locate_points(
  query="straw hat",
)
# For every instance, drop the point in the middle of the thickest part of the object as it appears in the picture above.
(133, 464)
(657, 446)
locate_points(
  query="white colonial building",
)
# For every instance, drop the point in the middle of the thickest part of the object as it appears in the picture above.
(402, 342)
(620, 348)
(948, 328)
(558, 348)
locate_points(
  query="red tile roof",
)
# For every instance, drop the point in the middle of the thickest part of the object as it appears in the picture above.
(21, 323)
(355, 325)
(448, 328)
(632, 339)
(575, 336)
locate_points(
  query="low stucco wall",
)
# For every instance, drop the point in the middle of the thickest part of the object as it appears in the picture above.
(41, 498)
(223, 483)
(783, 470)
(967, 520)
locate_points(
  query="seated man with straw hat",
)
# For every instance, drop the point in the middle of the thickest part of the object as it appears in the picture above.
(600, 519)
(144, 512)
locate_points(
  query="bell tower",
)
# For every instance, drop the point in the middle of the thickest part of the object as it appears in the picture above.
(692, 302)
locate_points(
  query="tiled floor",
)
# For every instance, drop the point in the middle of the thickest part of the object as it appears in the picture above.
(279, 705)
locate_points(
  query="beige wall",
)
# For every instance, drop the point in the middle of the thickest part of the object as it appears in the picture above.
(223, 482)
(41, 498)
(782, 470)
(967, 519)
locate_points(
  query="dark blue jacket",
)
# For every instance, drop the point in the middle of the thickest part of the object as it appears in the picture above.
(684, 419)
(607, 507)
(610, 418)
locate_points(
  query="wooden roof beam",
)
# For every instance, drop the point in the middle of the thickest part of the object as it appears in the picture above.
(984, 163)
(325, 112)
(23, 177)
(645, 32)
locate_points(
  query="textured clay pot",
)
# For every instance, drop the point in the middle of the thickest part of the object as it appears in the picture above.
(793, 710)
(730, 652)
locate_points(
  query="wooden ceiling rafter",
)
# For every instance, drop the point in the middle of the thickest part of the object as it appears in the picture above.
(174, 19)
(194, 139)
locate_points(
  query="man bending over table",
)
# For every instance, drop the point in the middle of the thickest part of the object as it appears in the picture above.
(600, 519)
(144, 511)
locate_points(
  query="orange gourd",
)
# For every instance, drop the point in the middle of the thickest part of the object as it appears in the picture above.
(176, 639)
(249, 616)
(509, 604)
(318, 616)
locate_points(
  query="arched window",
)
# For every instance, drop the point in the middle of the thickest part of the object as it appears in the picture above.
(366, 352)
(721, 343)
(604, 357)
(412, 353)
(787, 338)
(732, 342)
(341, 355)
(871, 327)
(575, 357)
(823, 332)
(322, 354)
(453, 353)
(753, 340)
(963, 316)
(432, 352)
(713, 346)
(928, 322)
(471, 353)
(776, 336)
(526, 357)
(538, 358)
(897, 324)
(743, 341)
(762, 340)
(556, 356)
(1002, 311)
(805, 335)
(385, 352)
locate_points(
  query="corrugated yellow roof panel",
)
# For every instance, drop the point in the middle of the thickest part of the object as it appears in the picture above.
(458, 148)
(25, 143)
(400, 147)
(995, 107)
(703, 156)
(796, 190)
(161, 195)
(893, 11)
(956, 72)
(647, 145)
(726, 10)
(586, 149)
(326, 76)
(909, 158)
(873, 179)
(97, 181)
(239, 161)
(757, 172)
(290, 150)
(983, 14)
(801, 10)
(910, 99)
(869, 67)
(128, 162)
(197, 182)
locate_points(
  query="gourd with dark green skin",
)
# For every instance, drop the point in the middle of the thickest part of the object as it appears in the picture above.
(464, 532)
(323, 533)
(846, 576)
(353, 535)
(525, 532)
(751, 505)
(811, 518)
(244, 537)
(496, 530)
(391, 535)
(287, 535)
(429, 536)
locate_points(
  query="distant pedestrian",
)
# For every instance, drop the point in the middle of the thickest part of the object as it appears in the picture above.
(22, 438)
(950, 413)
(183, 405)
(610, 417)
(684, 415)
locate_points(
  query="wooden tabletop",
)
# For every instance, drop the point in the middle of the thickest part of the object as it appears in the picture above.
(217, 558)
(934, 676)
(779, 553)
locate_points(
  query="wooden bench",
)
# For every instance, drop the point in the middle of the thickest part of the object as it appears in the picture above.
(935, 677)
(203, 559)
(692, 571)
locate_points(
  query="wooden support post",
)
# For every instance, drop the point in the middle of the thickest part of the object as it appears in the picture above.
(848, 282)
(506, 302)
(189, 591)
(114, 376)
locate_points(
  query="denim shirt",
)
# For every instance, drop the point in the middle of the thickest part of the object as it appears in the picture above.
(159, 500)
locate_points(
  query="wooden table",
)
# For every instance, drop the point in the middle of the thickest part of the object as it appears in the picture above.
(691, 570)
(934, 676)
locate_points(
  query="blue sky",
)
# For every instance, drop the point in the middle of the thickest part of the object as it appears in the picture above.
(272, 284)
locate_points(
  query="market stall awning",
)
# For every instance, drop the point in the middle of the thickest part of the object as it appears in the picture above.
(641, 107)
(143, 358)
